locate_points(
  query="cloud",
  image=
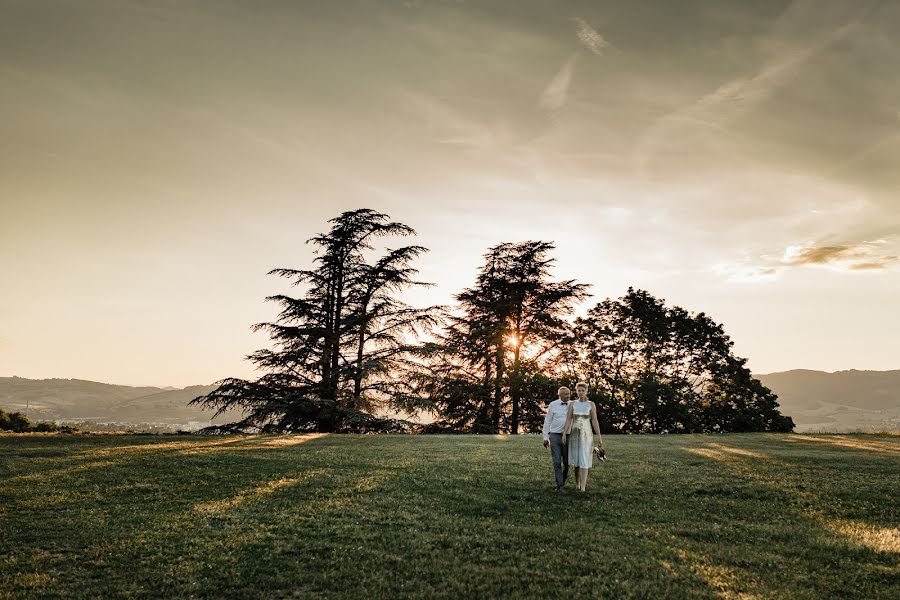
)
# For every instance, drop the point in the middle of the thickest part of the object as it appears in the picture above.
(820, 255)
(591, 38)
(868, 266)
(859, 256)
(556, 93)
(713, 112)
(446, 121)
(850, 257)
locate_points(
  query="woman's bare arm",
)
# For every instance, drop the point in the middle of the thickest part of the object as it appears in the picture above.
(596, 424)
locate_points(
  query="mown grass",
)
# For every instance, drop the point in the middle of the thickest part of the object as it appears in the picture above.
(700, 516)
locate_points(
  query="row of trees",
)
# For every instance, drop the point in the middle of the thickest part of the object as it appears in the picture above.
(19, 423)
(660, 369)
(348, 346)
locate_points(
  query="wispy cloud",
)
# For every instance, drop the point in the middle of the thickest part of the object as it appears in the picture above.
(875, 255)
(467, 124)
(743, 273)
(445, 121)
(591, 38)
(556, 93)
(743, 93)
(868, 266)
(859, 256)
(820, 255)
(713, 112)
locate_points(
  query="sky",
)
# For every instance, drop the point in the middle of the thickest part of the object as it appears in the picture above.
(159, 157)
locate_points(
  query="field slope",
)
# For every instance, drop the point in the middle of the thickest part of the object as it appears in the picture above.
(700, 516)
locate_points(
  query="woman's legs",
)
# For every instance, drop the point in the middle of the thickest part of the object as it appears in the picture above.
(584, 474)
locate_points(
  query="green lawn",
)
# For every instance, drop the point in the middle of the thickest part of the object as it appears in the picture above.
(697, 516)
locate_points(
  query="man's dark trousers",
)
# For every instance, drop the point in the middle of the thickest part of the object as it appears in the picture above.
(560, 454)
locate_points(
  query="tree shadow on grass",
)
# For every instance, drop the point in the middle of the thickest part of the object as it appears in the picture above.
(404, 517)
(49, 463)
(62, 464)
(264, 534)
(411, 530)
(826, 553)
(95, 509)
(886, 446)
(404, 529)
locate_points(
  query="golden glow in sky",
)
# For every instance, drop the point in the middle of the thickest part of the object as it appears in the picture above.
(158, 158)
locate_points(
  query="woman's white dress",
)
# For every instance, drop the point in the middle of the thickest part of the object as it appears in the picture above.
(581, 437)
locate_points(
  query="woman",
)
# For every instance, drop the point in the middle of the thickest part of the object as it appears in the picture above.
(581, 423)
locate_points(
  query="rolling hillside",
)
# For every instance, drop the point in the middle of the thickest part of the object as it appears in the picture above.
(76, 399)
(840, 401)
(817, 401)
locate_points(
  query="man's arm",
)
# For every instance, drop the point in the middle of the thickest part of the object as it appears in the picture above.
(570, 412)
(547, 427)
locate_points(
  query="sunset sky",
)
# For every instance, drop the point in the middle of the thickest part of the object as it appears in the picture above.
(158, 157)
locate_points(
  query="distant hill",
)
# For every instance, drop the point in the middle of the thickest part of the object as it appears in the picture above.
(817, 401)
(77, 399)
(840, 401)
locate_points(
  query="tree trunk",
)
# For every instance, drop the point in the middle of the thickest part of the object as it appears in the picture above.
(483, 417)
(516, 390)
(325, 383)
(358, 373)
(334, 381)
(498, 386)
(516, 380)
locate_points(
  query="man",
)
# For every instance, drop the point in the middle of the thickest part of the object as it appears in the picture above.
(554, 422)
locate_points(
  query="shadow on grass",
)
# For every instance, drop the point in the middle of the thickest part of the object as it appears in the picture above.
(54, 463)
(886, 447)
(828, 539)
(263, 526)
(126, 506)
(86, 460)
(413, 530)
(449, 516)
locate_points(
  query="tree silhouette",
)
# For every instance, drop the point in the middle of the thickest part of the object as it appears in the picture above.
(16, 421)
(498, 348)
(348, 346)
(336, 345)
(661, 369)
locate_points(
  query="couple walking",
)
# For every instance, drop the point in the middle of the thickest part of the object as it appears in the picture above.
(569, 433)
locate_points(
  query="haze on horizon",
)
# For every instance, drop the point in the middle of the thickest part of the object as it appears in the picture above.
(157, 158)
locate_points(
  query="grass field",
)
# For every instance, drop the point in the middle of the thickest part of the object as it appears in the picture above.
(698, 516)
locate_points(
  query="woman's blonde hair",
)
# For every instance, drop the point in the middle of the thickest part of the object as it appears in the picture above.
(582, 384)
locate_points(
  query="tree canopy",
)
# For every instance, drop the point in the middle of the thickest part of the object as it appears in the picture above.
(490, 369)
(660, 369)
(337, 344)
(349, 346)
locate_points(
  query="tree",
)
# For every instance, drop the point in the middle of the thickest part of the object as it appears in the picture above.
(19, 423)
(382, 323)
(736, 401)
(336, 345)
(501, 344)
(660, 369)
(15, 422)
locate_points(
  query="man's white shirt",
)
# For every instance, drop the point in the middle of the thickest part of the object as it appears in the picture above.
(555, 419)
